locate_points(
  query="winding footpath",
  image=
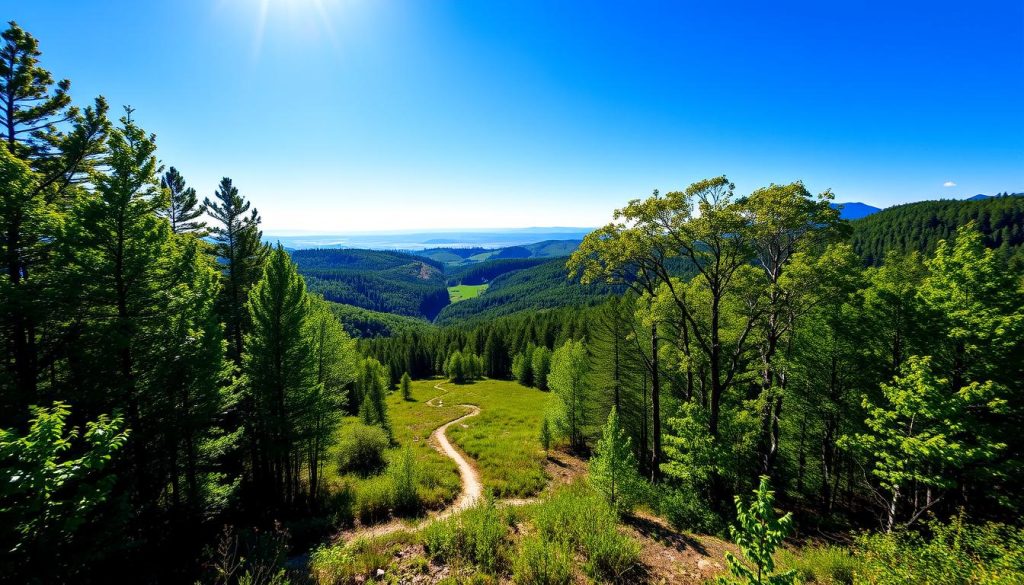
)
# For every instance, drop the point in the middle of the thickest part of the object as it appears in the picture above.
(472, 488)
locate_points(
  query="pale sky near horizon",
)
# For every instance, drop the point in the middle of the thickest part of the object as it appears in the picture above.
(345, 115)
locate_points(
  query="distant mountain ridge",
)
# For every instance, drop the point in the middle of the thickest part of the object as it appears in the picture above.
(855, 210)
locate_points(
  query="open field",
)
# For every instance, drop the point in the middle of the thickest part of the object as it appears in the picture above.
(501, 443)
(465, 291)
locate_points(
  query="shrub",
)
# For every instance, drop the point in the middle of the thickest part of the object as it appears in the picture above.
(362, 450)
(340, 500)
(403, 479)
(478, 535)
(685, 511)
(542, 562)
(828, 565)
(581, 520)
(758, 533)
(356, 560)
(374, 499)
(610, 554)
(954, 552)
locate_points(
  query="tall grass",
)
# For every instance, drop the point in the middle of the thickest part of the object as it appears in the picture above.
(479, 535)
(579, 519)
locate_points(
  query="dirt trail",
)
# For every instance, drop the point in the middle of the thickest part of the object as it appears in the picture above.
(472, 488)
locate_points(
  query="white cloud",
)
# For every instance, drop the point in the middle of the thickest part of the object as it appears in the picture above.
(949, 184)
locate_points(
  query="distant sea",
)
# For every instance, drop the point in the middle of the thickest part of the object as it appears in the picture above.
(420, 240)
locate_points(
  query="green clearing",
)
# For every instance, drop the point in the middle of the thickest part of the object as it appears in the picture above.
(502, 441)
(465, 291)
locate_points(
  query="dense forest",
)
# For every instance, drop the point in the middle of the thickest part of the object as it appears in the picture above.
(544, 286)
(918, 227)
(390, 282)
(181, 402)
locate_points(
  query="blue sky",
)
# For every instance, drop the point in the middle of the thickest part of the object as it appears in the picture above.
(342, 115)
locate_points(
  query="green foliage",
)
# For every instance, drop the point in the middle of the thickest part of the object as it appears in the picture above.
(361, 449)
(920, 430)
(237, 243)
(47, 493)
(758, 533)
(568, 381)
(463, 367)
(540, 367)
(372, 387)
(478, 535)
(406, 500)
(374, 499)
(522, 367)
(405, 385)
(825, 564)
(384, 281)
(183, 207)
(545, 435)
(537, 288)
(541, 562)
(955, 552)
(580, 519)
(366, 324)
(918, 227)
(613, 469)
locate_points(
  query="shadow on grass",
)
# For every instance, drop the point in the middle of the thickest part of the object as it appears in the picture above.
(667, 536)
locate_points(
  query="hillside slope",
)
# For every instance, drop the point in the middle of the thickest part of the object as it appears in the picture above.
(919, 226)
(540, 287)
(390, 282)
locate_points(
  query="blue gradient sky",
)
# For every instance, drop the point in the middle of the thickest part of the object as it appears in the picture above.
(344, 115)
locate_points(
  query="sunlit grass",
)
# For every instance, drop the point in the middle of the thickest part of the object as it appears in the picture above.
(465, 291)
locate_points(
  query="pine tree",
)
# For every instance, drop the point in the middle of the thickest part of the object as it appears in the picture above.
(522, 367)
(334, 357)
(758, 533)
(613, 469)
(58, 146)
(280, 374)
(237, 244)
(373, 410)
(116, 253)
(183, 207)
(406, 385)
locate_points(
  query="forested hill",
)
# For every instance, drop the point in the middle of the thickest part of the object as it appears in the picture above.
(546, 249)
(539, 287)
(919, 226)
(390, 282)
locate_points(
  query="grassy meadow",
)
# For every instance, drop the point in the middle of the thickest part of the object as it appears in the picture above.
(465, 291)
(501, 440)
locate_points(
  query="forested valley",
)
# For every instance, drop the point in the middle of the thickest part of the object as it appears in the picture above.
(716, 385)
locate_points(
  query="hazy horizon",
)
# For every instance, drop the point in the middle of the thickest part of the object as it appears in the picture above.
(341, 115)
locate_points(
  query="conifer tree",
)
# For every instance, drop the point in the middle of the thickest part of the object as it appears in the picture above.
(237, 243)
(58, 145)
(522, 367)
(116, 253)
(405, 384)
(183, 207)
(373, 410)
(334, 358)
(613, 469)
(280, 374)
